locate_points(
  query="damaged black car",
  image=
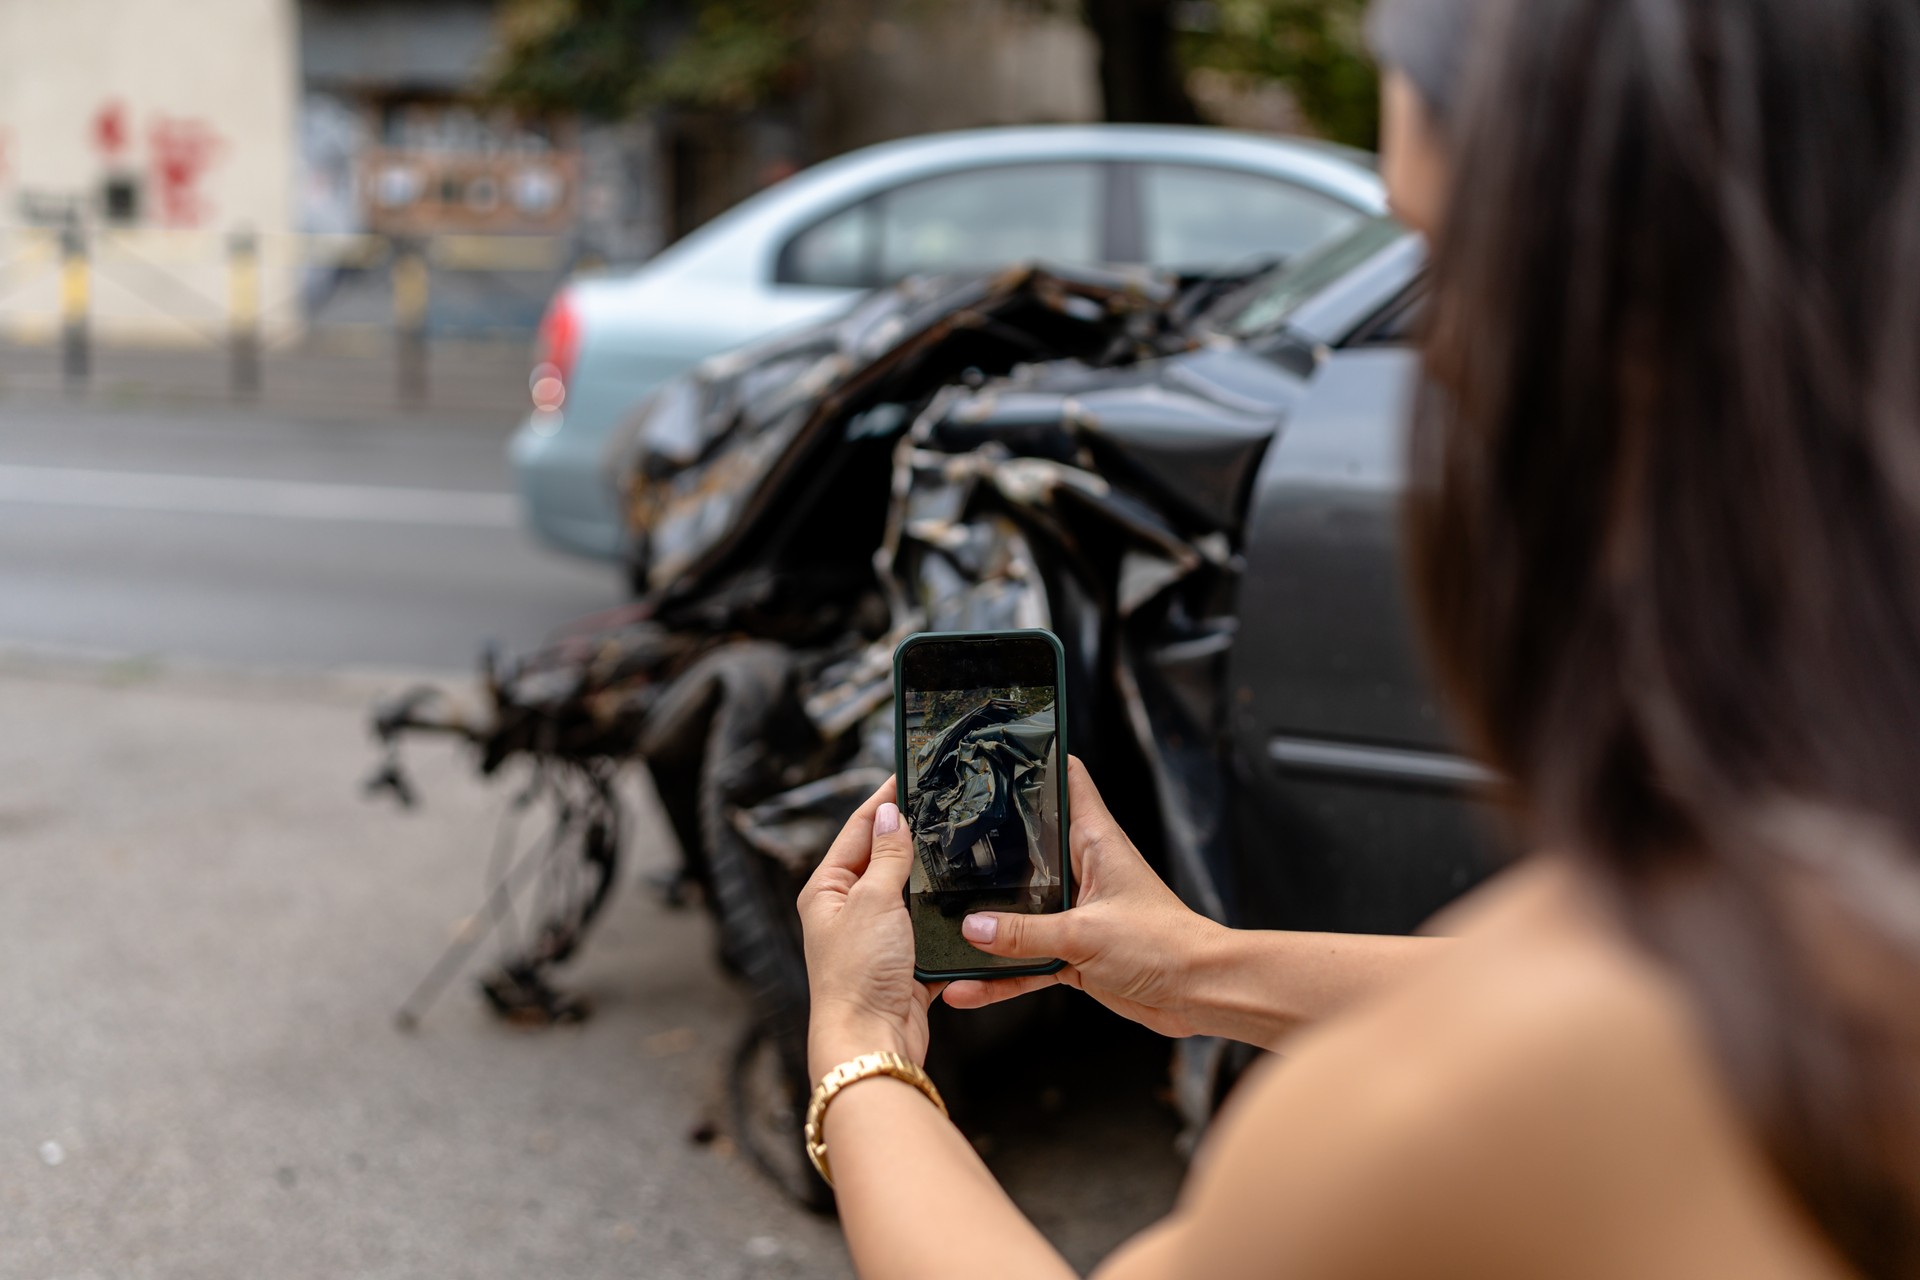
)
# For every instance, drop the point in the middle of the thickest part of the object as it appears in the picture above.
(1193, 483)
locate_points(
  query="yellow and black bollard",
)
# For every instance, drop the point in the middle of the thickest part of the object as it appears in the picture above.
(243, 312)
(74, 355)
(409, 277)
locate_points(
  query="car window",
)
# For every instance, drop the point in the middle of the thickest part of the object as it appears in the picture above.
(1198, 219)
(837, 252)
(987, 218)
(1266, 303)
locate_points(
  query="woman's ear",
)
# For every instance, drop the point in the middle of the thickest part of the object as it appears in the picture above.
(1413, 156)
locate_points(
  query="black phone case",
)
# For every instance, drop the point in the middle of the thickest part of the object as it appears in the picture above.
(1066, 818)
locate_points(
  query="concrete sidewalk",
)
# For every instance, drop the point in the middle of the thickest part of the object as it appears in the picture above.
(352, 379)
(205, 932)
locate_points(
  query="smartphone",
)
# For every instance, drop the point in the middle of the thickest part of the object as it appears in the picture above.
(980, 729)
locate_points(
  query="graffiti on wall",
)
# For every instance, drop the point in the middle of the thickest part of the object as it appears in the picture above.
(182, 150)
(110, 137)
(167, 188)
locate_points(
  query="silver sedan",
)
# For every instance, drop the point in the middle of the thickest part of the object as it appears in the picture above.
(1189, 199)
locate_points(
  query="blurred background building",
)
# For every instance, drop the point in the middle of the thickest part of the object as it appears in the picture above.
(517, 140)
(122, 116)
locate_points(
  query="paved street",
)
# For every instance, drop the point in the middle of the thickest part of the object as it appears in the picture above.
(219, 534)
(331, 376)
(206, 928)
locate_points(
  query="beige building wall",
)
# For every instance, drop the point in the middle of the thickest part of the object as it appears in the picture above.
(191, 105)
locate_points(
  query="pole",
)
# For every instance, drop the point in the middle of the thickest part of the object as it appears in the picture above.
(243, 312)
(409, 278)
(74, 354)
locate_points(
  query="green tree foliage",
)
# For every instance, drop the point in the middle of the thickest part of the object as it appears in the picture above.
(1316, 48)
(739, 53)
(612, 58)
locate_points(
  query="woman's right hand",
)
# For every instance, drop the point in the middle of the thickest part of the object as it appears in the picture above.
(1128, 941)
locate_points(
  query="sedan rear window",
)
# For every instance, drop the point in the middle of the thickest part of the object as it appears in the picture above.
(975, 220)
(836, 253)
(983, 220)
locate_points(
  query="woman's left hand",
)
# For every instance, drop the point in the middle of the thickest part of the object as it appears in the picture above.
(859, 941)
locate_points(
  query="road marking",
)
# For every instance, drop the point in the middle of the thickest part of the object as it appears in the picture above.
(274, 499)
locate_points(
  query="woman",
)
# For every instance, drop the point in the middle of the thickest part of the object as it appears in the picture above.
(1664, 534)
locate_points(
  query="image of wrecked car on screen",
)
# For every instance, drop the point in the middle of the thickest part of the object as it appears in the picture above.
(983, 806)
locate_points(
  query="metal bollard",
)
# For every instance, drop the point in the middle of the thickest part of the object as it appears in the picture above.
(75, 359)
(243, 312)
(409, 276)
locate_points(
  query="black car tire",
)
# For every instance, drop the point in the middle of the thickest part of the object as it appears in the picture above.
(753, 904)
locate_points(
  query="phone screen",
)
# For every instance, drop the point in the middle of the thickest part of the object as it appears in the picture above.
(981, 763)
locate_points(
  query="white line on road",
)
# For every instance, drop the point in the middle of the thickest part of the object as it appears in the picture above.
(234, 496)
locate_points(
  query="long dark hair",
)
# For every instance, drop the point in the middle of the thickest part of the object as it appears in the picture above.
(1665, 527)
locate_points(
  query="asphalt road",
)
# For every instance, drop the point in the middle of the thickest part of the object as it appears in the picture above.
(255, 537)
(206, 928)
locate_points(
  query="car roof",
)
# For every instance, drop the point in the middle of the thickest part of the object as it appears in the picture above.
(719, 247)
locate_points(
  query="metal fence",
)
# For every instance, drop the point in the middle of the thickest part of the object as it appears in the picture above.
(241, 291)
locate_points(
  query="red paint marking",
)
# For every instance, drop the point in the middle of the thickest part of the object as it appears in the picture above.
(182, 151)
(110, 129)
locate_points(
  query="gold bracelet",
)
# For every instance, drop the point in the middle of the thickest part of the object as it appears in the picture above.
(860, 1068)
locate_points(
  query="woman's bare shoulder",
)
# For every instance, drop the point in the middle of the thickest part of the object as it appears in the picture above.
(1537, 980)
(1537, 1103)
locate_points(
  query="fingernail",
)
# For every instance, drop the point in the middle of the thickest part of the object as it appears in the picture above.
(887, 821)
(980, 928)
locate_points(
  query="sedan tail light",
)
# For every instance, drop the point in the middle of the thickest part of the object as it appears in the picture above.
(554, 348)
